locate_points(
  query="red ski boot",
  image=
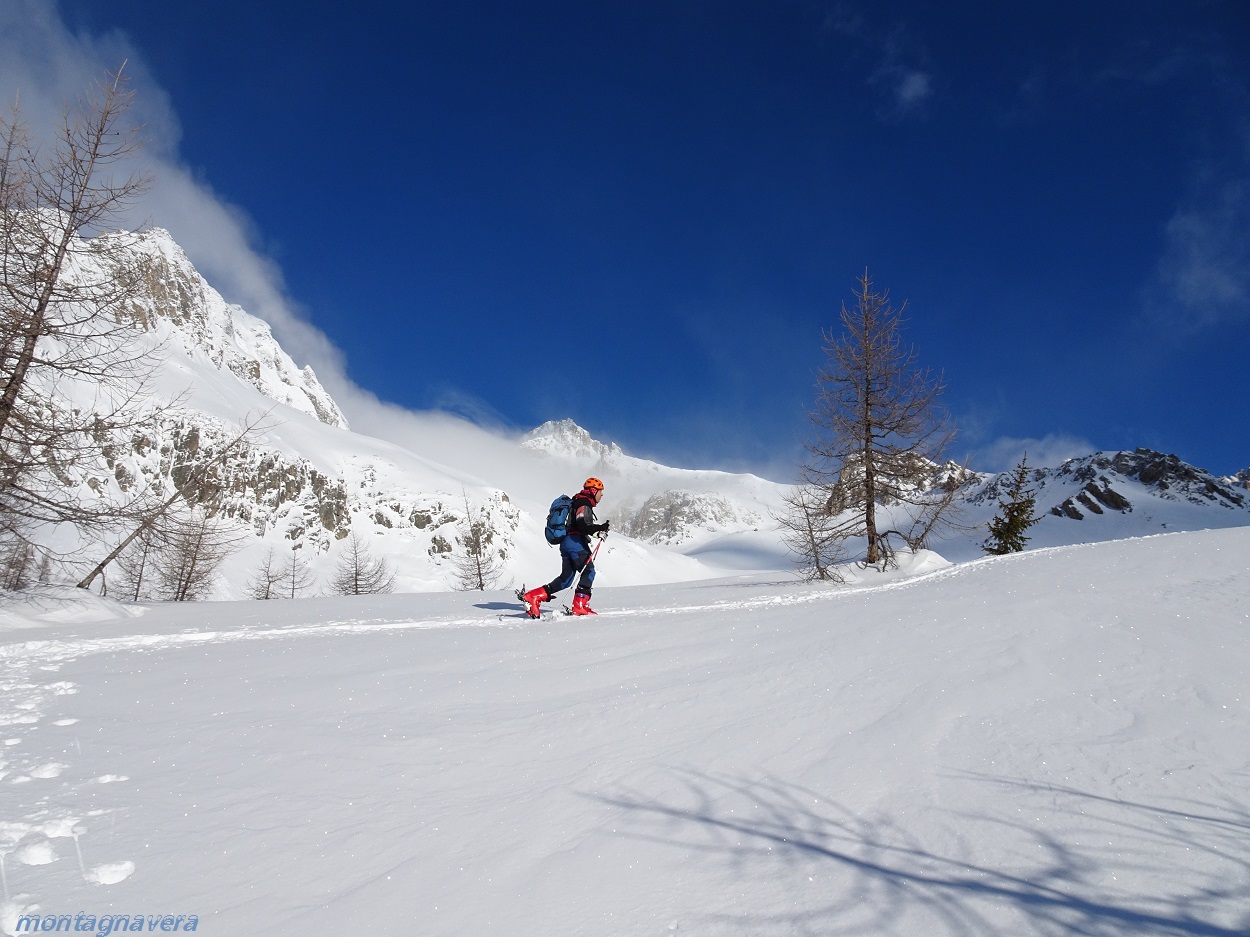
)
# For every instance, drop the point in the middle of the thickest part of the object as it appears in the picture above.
(532, 600)
(581, 605)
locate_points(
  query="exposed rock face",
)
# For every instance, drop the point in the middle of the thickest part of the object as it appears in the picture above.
(1169, 478)
(176, 297)
(266, 488)
(267, 494)
(673, 517)
(1111, 480)
(1240, 480)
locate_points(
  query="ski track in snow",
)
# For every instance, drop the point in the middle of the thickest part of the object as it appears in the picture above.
(55, 652)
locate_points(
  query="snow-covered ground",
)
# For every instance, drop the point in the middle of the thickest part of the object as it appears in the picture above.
(1051, 743)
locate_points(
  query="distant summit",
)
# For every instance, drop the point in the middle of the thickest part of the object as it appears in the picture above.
(566, 440)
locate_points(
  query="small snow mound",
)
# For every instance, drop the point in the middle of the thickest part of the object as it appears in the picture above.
(40, 853)
(110, 873)
(62, 826)
(906, 566)
(921, 562)
(41, 605)
(11, 912)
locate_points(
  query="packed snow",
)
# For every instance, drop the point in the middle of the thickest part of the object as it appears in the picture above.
(1048, 743)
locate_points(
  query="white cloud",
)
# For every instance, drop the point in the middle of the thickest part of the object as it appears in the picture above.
(912, 88)
(905, 87)
(1049, 451)
(1203, 277)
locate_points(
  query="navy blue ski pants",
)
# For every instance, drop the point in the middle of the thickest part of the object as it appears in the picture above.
(574, 559)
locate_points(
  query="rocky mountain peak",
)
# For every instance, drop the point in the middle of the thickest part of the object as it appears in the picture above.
(565, 439)
(1112, 481)
(176, 300)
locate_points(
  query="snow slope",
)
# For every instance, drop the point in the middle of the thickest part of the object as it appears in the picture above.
(1049, 743)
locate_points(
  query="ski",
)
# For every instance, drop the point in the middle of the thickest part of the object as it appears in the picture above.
(547, 615)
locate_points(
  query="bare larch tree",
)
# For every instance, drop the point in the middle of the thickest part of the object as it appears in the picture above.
(264, 582)
(358, 572)
(812, 534)
(289, 580)
(879, 431)
(175, 559)
(297, 575)
(195, 544)
(70, 375)
(478, 568)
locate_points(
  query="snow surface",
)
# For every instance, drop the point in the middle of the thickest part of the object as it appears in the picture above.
(1049, 743)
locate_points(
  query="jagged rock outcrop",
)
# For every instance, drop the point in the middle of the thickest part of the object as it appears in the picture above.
(1169, 478)
(197, 347)
(1239, 480)
(674, 517)
(1120, 482)
(1111, 480)
(270, 495)
(176, 300)
(1094, 497)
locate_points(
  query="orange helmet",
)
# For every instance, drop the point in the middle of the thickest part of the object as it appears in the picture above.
(593, 484)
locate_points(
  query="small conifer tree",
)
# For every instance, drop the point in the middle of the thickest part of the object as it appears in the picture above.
(1015, 514)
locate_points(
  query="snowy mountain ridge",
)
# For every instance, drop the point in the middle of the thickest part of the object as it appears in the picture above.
(305, 481)
(177, 305)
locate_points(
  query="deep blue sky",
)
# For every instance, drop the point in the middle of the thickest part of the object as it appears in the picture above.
(640, 215)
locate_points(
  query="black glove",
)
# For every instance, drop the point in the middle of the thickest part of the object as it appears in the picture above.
(603, 528)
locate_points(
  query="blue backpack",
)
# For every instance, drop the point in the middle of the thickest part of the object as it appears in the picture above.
(558, 519)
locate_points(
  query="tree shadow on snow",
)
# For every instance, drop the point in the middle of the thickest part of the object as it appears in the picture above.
(1110, 868)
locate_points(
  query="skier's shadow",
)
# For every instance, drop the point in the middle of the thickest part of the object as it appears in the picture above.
(497, 606)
